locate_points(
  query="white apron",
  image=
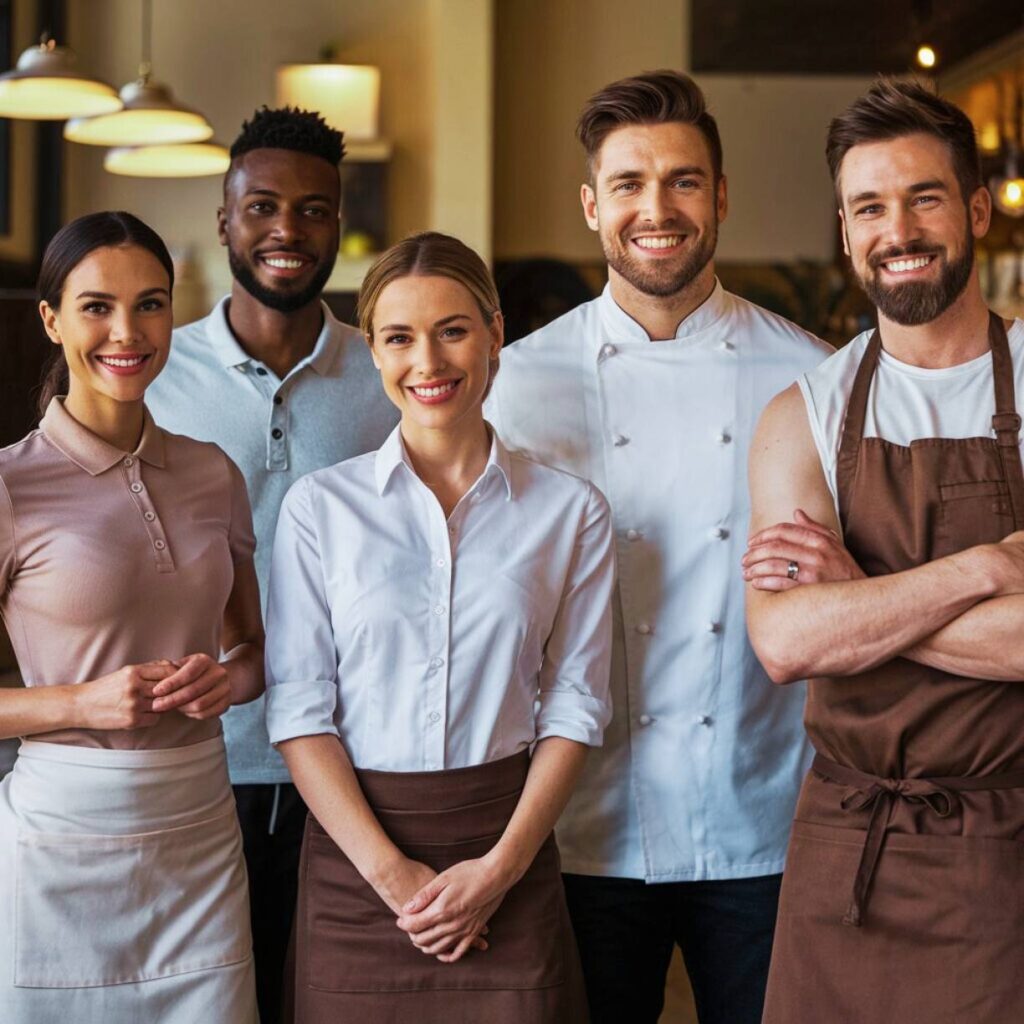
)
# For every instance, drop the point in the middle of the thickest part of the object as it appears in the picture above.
(123, 895)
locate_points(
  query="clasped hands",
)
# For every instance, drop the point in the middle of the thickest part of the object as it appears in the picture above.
(446, 914)
(816, 550)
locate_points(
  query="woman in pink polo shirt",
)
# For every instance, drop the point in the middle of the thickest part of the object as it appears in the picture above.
(128, 591)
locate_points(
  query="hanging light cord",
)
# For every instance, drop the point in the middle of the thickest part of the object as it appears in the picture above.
(146, 67)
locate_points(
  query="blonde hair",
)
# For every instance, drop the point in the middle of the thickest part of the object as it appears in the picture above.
(428, 254)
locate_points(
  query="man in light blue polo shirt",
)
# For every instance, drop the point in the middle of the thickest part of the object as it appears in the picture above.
(284, 388)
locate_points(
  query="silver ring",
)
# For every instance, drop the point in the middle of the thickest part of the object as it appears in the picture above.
(792, 570)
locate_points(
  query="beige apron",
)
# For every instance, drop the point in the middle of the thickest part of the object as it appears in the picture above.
(903, 895)
(123, 894)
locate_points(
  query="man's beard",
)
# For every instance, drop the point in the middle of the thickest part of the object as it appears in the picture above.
(283, 302)
(918, 302)
(662, 278)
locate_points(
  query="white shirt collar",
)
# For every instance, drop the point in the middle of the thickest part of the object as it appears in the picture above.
(392, 454)
(621, 326)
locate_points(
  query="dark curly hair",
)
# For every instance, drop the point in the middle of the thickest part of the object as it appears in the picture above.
(290, 128)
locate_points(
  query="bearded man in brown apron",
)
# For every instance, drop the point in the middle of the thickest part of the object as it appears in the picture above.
(893, 577)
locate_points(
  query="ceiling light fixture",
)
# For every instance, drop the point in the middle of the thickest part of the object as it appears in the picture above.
(182, 160)
(926, 56)
(44, 86)
(151, 115)
(347, 96)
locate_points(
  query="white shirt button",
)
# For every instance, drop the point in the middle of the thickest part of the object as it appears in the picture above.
(434, 716)
(619, 440)
(713, 627)
(137, 488)
(436, 662)
(645, 719)
(726, 346)
(439, 562)
(643, 629)
(633, 535)
(159, 545)
(724, 438)
(704, 720)
(149, 516)
(721, 533)
(439, 609)
(129, 461)
(608, 350)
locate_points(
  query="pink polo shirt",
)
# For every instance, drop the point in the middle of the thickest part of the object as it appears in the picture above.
(110, 559)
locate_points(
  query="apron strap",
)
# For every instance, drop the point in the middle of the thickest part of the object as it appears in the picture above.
(1007, 422)
(853, 426)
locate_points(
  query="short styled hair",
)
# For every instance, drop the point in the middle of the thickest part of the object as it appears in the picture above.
(304, 131)
(891, 109)
(655, 97)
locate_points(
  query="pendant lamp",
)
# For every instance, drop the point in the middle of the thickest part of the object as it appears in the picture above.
(45, 86)
(347, 96)
(151, 115)
(184, 160)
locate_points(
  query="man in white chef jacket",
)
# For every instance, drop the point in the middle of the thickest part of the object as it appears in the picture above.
(677, 832)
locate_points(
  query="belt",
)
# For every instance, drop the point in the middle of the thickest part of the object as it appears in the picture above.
(872, 791)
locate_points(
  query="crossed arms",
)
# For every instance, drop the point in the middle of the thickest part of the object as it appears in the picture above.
(963, 614)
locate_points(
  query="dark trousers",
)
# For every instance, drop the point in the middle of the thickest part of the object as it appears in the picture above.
(626, 930)
(272, 819)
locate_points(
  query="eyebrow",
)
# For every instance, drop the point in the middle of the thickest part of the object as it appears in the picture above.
(932, 185)
(440, 323)
(113, 298)
(319, 196)
(676, 172)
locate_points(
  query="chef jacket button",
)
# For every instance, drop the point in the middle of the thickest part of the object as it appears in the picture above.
(149, 516)
(721, 533)
(129, 461)
(724, 438)
(436, 662)
(159, 545)
(439, 609)
(434, 716)
(726, 346)
(619, 440)
(277, 433)
(439, 563)
(645, 719)
(608, 350)
(713, 627)
(633, 534)
(643, 629)
(704, 720)
(137, 487)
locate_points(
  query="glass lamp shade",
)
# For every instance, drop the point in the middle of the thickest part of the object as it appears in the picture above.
(187, 160)
(347, 96)
(151, 117)
(44, 86)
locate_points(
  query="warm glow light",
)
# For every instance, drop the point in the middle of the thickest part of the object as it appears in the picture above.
(926, 56)
(191, 160)
(44, 87)
(150, 117)
(346, 95)
(1009, 197)
(989, 138)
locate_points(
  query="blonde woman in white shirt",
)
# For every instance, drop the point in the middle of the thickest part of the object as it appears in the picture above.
(437, 609)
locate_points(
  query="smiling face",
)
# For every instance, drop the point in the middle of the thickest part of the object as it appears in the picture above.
(906, 228)
(434, 350)
(280, 225)
(114, 324)
(656, 206)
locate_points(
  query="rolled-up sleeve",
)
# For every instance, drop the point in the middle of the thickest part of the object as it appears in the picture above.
(302, 664)
(574, 700)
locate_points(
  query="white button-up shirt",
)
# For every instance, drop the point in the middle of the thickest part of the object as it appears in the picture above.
(703, 759)
(428, 643)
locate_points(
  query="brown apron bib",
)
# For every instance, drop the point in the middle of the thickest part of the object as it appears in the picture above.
(354, 964)
(903, 895)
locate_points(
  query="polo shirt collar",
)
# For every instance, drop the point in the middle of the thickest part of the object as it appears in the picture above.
(90, 452)
(230, 353)
(619, 325)
(392, 454)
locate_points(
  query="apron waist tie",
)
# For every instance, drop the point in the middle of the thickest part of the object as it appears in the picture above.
(872, 791)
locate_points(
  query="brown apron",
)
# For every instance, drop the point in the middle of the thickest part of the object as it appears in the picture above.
(354, 964)
(903, 895)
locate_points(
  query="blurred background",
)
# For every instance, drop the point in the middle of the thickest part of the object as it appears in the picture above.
(459, 116)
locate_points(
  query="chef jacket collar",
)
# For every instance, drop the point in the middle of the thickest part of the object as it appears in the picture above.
(620, 326)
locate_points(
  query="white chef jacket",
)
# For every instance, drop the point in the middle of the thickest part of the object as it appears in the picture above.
(428, 643)
(702, 762)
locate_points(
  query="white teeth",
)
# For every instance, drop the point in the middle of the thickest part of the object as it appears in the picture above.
(120, 360)
(433, 392)
(663, 242)
(900, 266)
(283, 264)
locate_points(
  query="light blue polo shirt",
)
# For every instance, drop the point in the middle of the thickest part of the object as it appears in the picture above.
(330, 407)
